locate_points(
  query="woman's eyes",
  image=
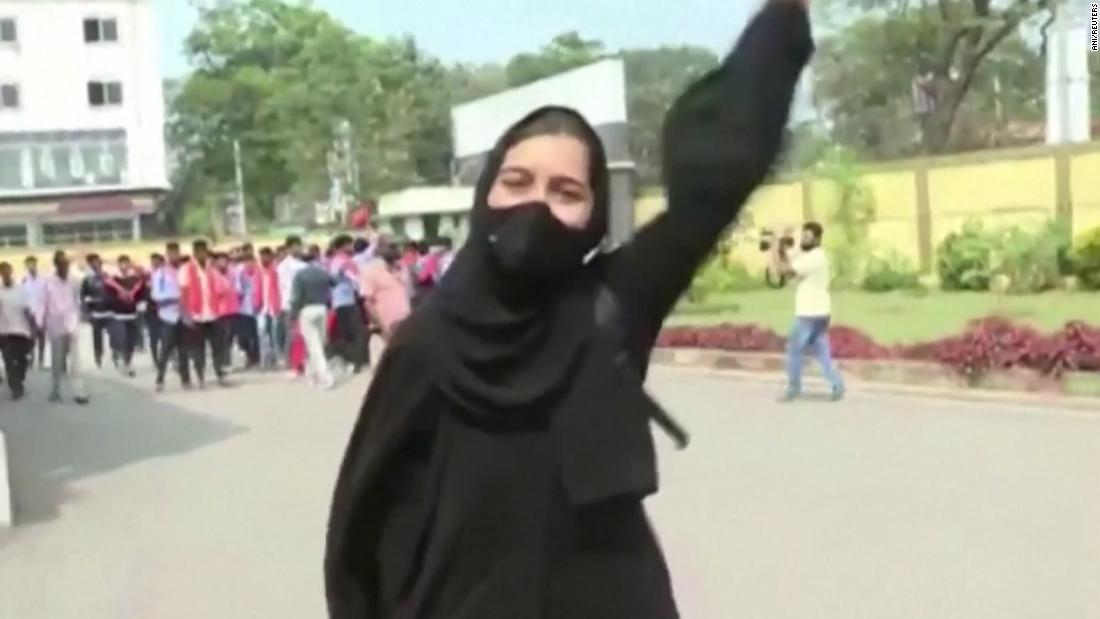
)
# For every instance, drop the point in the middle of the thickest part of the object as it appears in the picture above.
(568, 193)
(515, 182)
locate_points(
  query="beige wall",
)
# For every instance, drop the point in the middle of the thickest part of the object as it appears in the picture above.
(1001, 188)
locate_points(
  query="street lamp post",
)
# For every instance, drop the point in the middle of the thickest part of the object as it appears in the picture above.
(240, 219)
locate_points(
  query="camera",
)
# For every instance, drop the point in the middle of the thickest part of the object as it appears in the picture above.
(777, 247)
(767, 237)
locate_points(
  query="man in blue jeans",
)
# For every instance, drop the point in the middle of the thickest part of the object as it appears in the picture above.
(812, 308)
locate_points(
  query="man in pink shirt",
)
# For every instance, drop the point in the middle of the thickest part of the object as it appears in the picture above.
(57, 312)
(384, 293)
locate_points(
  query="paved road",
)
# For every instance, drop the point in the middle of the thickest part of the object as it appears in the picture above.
(213, 505)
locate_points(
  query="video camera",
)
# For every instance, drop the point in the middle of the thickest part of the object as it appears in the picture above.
(774, 276)
(767, 238)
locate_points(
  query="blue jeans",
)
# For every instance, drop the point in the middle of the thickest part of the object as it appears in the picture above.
(272, 341)
(812, 333)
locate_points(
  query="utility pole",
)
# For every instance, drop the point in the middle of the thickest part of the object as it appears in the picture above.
(241, 219)
(342, 170)
(1067, 76)
(1063, 74)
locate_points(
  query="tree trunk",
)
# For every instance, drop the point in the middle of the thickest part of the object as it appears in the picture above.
(936, 132)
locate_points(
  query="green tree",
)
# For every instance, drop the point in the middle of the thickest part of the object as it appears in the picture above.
(654, 78)
(565, 51)
(850, 218)
(282, 79)
(467, 82)
(892, 42)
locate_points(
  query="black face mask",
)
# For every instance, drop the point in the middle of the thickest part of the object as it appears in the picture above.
(528, 239)
(808, 245)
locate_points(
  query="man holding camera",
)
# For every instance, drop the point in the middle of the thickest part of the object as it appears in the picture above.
(812, 308)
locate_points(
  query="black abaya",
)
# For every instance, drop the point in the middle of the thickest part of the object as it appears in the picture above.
(499, 463)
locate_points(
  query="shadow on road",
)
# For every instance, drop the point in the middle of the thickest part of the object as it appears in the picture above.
(50, 446)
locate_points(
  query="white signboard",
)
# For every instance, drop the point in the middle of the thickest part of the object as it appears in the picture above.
(1067, 93)
(597, 91)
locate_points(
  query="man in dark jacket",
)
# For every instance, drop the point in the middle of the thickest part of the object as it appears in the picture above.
(309, 300)
(125, 291)
(96, 304)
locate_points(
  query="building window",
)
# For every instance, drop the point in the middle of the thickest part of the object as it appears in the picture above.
(41, 160)
(102, 231)
(9, 97)
(13, 236)
(100, 30)
(8, 31)
(101, 94)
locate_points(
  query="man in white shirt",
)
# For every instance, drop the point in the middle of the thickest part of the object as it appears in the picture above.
(287, 269)
(812, 310)
(16, 322)
(32, 287)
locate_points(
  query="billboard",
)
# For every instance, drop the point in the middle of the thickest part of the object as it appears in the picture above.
(597, 91)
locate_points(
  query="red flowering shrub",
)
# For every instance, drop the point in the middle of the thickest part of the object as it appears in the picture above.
(1075, 348)
(741, 338)
(851, 343)
(986, 345)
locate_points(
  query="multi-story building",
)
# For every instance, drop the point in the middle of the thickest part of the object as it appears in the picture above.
(82, 153)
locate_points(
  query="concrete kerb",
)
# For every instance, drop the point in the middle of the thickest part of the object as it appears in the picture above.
(917, 379)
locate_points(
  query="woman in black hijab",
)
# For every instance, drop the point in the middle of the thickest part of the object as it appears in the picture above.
(503, 451)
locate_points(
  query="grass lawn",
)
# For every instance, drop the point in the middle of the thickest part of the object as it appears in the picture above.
(898, 316)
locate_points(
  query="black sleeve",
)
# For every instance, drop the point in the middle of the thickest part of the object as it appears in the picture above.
(720, 139)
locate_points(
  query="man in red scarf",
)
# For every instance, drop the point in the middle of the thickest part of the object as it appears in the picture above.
(201, 288)
(228, 305)
(268, 303)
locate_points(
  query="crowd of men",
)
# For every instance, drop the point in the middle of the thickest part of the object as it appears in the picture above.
(299, 308)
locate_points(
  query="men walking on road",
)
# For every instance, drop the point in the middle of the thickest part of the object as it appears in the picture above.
(96, 305)
(165, 292)
(309, 298)
(286, 270)
(57, 313)
(124, 293)
(269, 306)
(812, 309)
(384, 294)
(200, 292)
(150, 316)
(228, 306)
(16, 321)
(350, 341)
(32, 285)
(243, 275)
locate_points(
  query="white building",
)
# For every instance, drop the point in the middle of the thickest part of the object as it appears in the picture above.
(82, 152)
(424, 213)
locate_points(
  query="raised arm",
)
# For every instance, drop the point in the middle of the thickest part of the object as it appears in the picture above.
(721, 137)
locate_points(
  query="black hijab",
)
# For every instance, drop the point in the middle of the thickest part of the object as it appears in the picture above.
(510, 340)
